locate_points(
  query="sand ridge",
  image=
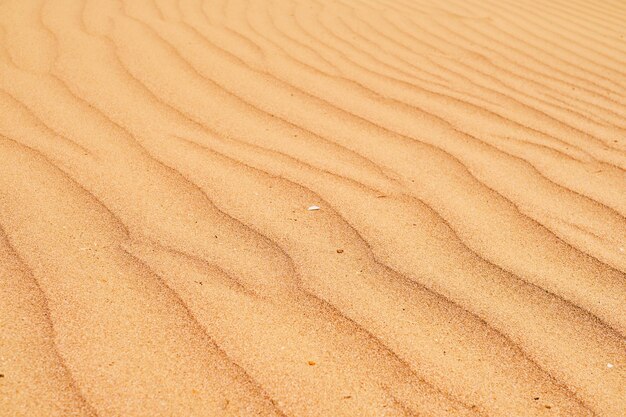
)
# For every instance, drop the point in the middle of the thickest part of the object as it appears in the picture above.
(157, 159)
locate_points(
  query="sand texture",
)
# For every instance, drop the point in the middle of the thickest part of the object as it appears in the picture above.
(312, 208)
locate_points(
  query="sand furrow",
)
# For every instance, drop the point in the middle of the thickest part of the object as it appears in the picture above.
(292, 95)
(92, 335)
(48, 389)
(510, 326)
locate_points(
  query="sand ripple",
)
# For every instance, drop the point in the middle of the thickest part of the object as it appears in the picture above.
(158, 159)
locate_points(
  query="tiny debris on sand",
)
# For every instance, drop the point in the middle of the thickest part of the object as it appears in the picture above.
(313, 208)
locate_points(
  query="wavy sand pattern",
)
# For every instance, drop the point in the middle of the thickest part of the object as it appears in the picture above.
(157, 159)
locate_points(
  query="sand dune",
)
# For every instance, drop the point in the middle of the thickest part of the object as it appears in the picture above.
(158, 159)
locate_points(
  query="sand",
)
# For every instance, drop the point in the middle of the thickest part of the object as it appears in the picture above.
(312, 208)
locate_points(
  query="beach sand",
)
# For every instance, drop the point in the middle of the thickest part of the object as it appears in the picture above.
(312, 208)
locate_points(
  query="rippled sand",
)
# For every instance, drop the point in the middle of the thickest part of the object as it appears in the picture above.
(160, 255)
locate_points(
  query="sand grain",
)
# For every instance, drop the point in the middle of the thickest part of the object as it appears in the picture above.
(312, 208)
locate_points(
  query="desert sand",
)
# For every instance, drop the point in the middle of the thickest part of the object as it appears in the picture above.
(312, 208)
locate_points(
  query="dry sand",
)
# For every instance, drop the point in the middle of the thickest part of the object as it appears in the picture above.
(160, 255)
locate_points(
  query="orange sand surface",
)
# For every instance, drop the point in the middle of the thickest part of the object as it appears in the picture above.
(312, 208)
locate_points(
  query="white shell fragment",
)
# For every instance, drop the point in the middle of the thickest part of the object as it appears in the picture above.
(609, 365)
(312, 208)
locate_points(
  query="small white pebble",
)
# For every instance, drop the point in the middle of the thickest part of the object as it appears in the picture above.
(621, 249)
(609, 365)
(312, 208)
